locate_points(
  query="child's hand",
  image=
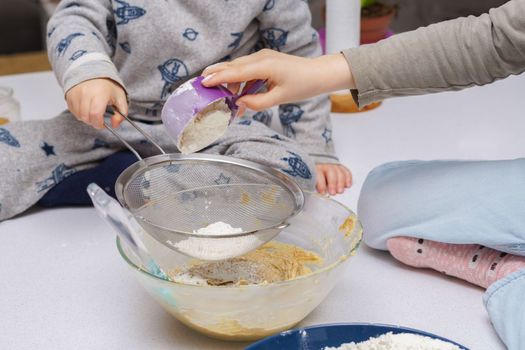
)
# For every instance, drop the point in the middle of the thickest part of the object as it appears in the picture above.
(290, 78)
(89, 99)
(332, 177)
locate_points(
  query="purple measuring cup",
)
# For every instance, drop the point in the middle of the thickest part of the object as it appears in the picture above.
(187, 102)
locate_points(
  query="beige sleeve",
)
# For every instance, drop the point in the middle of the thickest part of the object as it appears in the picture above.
(450, 55)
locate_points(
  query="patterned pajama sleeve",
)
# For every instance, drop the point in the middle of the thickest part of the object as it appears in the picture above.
(286, 27)
(81, 39)
(35, 156)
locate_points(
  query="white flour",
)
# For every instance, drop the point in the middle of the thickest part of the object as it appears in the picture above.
(217, 249)
(206, 128)
(187, 278)
(400, 341)
(217, 229)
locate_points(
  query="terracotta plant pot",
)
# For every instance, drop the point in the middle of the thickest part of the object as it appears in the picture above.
(375, 22)
(374, 29)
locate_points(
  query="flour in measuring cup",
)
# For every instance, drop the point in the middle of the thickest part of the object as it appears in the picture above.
(399, 341)
(206, 128)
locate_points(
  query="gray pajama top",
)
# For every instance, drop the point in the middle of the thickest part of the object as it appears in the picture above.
(151, 47)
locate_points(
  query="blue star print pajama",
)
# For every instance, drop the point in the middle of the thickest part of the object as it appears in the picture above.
(150, 48)
(461, 202)
(46, 153)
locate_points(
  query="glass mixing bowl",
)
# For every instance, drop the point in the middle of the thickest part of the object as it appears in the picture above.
(250, 312)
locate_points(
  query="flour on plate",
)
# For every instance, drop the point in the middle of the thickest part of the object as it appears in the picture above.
(399, 341)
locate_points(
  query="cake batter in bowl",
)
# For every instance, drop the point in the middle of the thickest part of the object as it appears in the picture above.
(322, 238)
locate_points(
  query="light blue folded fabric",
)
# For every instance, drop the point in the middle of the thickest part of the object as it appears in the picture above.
(462, 202)
(479, 202)
(505, 304)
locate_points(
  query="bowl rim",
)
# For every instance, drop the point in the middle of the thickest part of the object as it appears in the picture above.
(391, 327)
(339, 261)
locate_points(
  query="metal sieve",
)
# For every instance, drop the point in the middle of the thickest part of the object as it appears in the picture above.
(173, 195)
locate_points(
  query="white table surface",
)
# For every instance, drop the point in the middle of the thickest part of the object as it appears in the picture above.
(64, 286)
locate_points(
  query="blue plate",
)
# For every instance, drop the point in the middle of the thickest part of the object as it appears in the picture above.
(318, 337)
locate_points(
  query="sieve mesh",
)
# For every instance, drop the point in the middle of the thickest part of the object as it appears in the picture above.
(187, 194)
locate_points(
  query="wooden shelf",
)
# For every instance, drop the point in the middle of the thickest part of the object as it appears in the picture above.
(24, 63)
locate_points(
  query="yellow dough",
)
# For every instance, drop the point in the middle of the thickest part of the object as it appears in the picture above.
(270, 263)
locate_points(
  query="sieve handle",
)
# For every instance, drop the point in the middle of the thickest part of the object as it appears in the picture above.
(123, 141)
(146, 135)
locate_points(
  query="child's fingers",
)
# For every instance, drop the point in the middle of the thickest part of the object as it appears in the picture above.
(96, 111)
(71, 102)
(348, 177)
(85, 105)
(331, 179)
(340, 179)
(121, 105)
(72, 106)
(116, 120)
(321, 181)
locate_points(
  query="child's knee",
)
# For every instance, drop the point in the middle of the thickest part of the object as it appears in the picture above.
(255, 142)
